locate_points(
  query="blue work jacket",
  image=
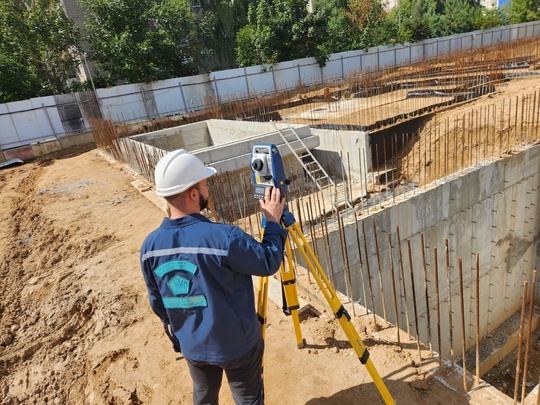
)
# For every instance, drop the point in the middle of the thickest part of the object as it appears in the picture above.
(198, 275)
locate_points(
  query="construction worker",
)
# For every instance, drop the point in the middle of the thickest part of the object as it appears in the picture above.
(198, 275)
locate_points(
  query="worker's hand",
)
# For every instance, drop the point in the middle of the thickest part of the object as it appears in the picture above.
(174, 340)
(273, 204)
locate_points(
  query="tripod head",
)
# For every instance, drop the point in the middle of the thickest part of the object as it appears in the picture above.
(268, 171)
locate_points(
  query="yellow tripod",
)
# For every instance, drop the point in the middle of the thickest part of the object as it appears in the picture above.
(289, 286)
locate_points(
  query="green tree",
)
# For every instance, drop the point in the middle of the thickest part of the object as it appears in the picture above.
(38, 49)
(459, 17)
(280, 30)
(415, 19)
(489, 18)
(226, 18)
(339, 31)
(520, 11)
(368, 26)
(144, 40)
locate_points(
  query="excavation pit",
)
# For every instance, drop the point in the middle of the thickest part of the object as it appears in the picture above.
(499, 351)
(461, 213)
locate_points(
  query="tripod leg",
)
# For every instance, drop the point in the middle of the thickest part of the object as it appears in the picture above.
(262, 299)
(288, 281)
(338, 309)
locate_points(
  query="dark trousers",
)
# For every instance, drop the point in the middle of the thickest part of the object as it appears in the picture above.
(244, 376)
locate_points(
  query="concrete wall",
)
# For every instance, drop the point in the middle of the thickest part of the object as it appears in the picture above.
(225, 131)
(234, 156)
(491, 210)
(346, 150)
(190, 137)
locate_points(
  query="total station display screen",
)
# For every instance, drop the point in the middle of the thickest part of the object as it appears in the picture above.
(259, 190)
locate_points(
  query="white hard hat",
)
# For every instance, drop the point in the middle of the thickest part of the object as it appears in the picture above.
(179, 170)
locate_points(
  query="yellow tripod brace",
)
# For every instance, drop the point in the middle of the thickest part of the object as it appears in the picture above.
(288, 280)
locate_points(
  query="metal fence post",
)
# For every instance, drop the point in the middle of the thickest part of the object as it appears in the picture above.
(247, 82)
(217, 91)
(49, 119)
(183, 97)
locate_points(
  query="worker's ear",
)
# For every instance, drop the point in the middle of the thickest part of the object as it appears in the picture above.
(194, 194)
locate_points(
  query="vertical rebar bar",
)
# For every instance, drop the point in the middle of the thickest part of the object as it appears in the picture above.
(529, 332)
(477, 377)
(449, 293)
(379, 270)
(463, 334)
(394, 285)
(520, 342)
(347, 270)
(361, 264)
(436, 269)
(414, 299)
(426, 293)
(403, 284)
(369, 274)
(516, 123)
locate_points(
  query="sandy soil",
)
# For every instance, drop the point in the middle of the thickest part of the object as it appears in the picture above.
(76, 327)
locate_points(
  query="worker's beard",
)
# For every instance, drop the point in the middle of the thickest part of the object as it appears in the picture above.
(203, 202)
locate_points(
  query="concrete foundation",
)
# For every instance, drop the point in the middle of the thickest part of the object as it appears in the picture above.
(490, 211)
(45, 147)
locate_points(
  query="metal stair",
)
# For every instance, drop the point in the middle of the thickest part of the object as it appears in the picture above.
(312, 167)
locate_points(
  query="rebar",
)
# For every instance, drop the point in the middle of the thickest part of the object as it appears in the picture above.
(520, 341)
(529, 333)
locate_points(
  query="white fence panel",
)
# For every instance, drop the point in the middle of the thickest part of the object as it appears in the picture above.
(168, 96)
(230, 84)
(476, 40)
(370, 60)
(431, 48)
(260, 80)
(309, 72)
(333, 70)
(9, 138)
(28, 125)
(402, 55)
(46, 114)
(387, 57)
(286, 74)
(197, 90)
(121, 103)
(535, 29)
(417, 52)
(351, 62)
(454, 43)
